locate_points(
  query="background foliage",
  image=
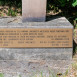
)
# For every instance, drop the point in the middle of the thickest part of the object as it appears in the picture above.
(68, 9)
(65, 8)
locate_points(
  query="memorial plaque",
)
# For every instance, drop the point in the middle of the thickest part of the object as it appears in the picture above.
(25, 38)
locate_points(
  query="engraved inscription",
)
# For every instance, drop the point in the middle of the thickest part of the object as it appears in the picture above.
(25, 38)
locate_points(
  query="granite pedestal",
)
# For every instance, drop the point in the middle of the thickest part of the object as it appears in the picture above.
(26, 61)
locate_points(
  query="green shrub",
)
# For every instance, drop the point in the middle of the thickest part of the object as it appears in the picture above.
(74, 3)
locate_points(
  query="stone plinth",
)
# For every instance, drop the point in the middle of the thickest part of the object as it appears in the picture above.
(26, 61)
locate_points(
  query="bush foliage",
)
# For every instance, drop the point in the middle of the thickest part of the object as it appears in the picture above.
(16, 3)
(64, 3)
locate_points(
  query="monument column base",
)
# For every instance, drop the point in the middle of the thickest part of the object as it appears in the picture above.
(27, 60)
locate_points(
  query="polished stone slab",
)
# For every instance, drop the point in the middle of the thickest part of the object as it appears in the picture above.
(33, 10)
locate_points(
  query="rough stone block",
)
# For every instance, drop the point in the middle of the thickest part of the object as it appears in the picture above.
(26, 60)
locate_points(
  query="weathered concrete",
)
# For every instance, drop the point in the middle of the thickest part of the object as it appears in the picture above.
(16, 22)
(25, 68)
(35, 53)
(25, 61)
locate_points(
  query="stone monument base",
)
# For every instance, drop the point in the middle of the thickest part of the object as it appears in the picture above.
(28, 61)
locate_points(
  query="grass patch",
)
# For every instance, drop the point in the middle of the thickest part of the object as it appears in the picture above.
(1, 75)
